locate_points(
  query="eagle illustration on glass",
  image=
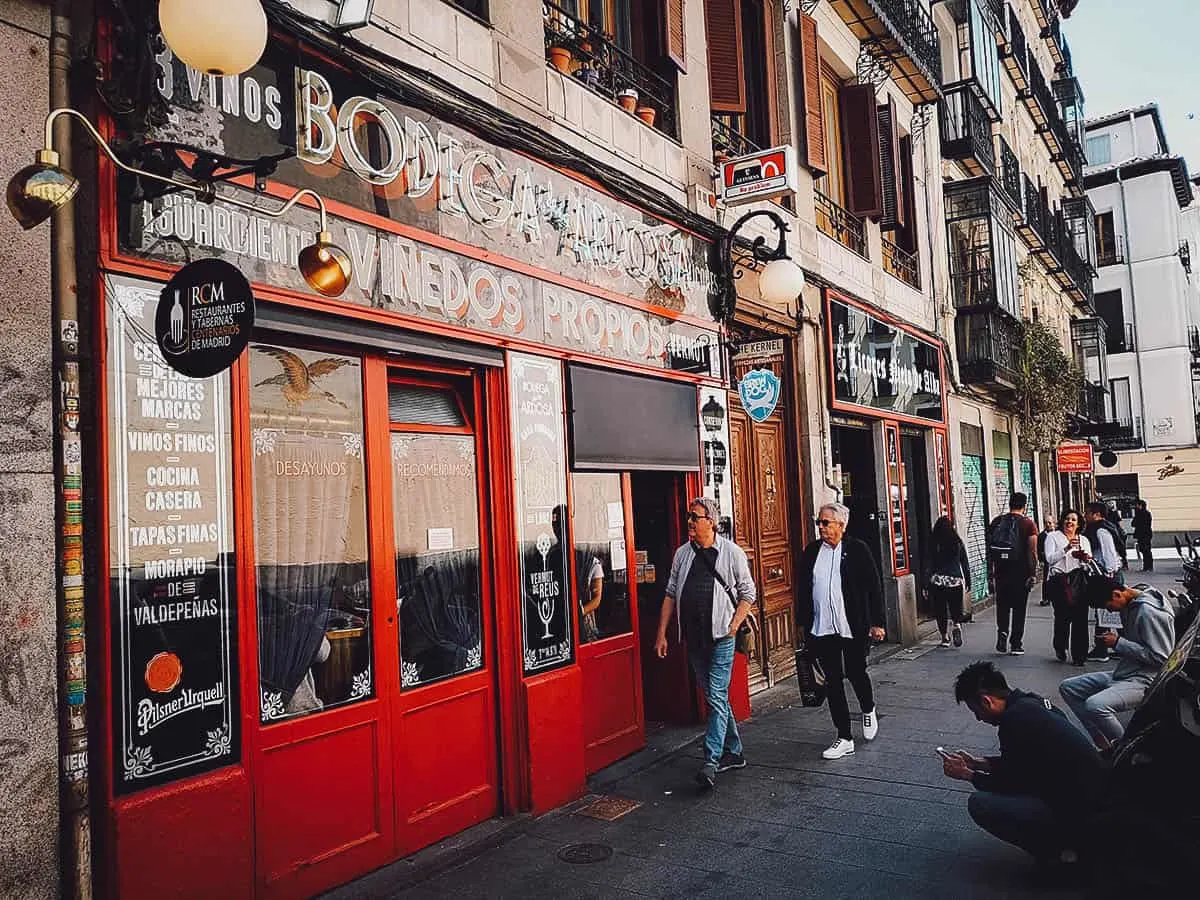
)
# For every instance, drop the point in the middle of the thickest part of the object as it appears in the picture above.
(298, 380)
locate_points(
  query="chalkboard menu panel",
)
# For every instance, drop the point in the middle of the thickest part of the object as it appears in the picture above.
(536, 388)
(174, 677)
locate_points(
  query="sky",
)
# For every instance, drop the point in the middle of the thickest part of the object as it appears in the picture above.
(1129, 52)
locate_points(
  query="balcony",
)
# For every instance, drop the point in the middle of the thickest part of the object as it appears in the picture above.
(728, 140)
(901, 264)
(1015, 53)
(1185, 256)
(1066, 68)
(1008, 175)
(1034, 224)
(592, 58)
(1111, 252)
(841, 225)
(966, 130)
(1092, 403)
(988, 344)
(1127, 436)
(982, 252)
(1051, 32)
(902, 33)
(1121, 339)
(1194, 346)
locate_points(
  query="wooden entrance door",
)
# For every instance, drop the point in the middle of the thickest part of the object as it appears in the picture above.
(444, 735)
(322, 773)
(762, 491)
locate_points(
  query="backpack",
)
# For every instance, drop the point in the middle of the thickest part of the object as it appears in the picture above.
(1007, 546)
(1118, 537)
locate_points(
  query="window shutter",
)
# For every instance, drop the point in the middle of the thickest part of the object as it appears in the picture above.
(860, 146)
(808, 97)
(891, 178)
(673, 33)
(908, 194)
(726, 69)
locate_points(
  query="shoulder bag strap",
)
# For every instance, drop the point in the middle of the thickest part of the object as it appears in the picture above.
(712, 570)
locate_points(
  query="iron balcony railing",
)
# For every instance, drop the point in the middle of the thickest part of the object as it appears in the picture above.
(841, 225)
(726, 137)
(1078, 270)
(1035, 218)
(1185, 256)
(901, 264)
(966, 130)
(1194, 342)
(988, 345)
(1091, 402)
(605, 68)
(1016, 53)
(1112, 252)
(1121, 340)
(903, 34)
(1066, 68)
(1008, 174)
(1128, 436)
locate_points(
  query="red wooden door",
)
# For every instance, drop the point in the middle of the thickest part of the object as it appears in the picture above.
(444, 731)
(323, 774)
(606, 596)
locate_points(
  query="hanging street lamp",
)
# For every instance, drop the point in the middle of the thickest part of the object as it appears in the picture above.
(217, 37)
(780, 280)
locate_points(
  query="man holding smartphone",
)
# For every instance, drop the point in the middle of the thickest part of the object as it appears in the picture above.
(1039, 793)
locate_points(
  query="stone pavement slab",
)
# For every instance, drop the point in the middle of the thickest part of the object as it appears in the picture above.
(882, 823)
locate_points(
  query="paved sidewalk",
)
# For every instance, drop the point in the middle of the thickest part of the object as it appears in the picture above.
(883, 823)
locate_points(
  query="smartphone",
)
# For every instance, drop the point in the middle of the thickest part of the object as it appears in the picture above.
(943, 752)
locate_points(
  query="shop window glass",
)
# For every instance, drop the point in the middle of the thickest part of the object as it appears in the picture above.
(435, 503)
(310, 530)
(601, 582)
(418, 404)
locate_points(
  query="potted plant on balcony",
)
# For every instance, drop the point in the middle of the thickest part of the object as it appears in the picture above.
(647, 113)
(628, 99)
(560, 54)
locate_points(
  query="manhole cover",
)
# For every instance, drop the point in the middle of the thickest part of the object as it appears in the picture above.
(609, 809)
(580, 854)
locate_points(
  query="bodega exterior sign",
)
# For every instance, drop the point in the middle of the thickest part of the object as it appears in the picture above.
(204, 318)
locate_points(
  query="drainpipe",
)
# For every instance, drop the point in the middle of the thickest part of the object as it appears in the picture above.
(1137, 350)
(74, 819)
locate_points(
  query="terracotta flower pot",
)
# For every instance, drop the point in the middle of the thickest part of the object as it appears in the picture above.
(720, 156)
(647, 114)
(628, 100)
(560, 58)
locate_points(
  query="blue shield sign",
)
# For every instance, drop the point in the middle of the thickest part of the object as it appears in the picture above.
(759, 390)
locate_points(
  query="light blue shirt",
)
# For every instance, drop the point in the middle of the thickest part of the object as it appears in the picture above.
(829, 607)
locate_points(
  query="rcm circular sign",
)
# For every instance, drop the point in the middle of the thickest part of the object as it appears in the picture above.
(204, 318)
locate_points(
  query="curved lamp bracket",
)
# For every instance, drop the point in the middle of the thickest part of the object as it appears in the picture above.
(722, 298)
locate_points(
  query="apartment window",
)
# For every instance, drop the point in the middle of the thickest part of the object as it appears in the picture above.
(832, 183)
(1109, 308)
(1099, 150)
(1106, 239)
(610, 17)
(740, 48)
(1118, 389)
(477, 8)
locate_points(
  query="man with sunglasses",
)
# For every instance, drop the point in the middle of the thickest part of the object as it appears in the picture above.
(839, 610)
(707, 574)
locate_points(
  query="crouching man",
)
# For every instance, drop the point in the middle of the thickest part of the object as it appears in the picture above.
(1148, 636)
(1039, 793)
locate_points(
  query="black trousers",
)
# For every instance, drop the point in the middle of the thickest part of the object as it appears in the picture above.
(1012, 601)
(1071, 623)
(947, 605)
(1143, 549)
(843, 658)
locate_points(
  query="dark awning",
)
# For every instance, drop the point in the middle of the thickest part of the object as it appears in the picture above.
(344, 330)
(625, 422)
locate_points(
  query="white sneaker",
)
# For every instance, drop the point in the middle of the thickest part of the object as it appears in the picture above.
(870, 725)
(839, 748)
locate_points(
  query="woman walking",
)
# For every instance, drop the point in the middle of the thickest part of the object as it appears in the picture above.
(948, 574)
(1066, 551)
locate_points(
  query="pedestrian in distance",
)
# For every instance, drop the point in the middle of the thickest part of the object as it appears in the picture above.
(1048, 526)
(1108, 548)
(1143, 534)
(1146, 640)
(1012, 568)
(1041, 790)
(706, 573)
(948, 574)
(839, 609)
(1066, 551)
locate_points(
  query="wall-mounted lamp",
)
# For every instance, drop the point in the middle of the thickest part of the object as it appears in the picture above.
(780, 281)
(219, 37)
(39, 189)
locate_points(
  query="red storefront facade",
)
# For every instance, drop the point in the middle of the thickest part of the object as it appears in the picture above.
(389, 576)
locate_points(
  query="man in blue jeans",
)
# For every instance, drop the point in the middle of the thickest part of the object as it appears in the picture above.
(710, 591)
